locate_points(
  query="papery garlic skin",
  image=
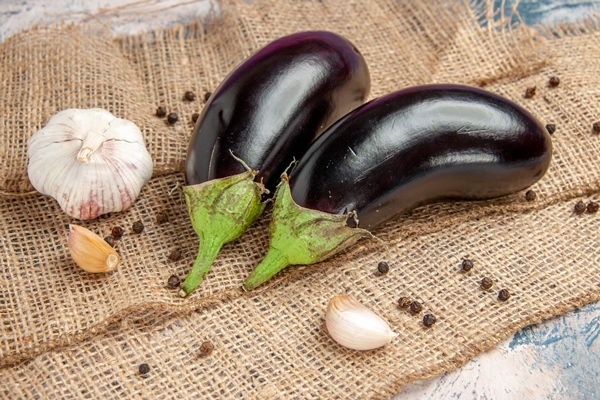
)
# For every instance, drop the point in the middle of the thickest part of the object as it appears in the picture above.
(90, 161)
(355, 326)
(90, 251)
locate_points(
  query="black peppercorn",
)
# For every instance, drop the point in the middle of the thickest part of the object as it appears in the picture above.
(596, 127)
(530, 195)
(117, 232)
(554, 81)
(161, 112)
(173, 281)
(175, 255)
(428, 320)
(383, 267)
(189, 96)
(415, 307)
(144, 369)
(207, 96)
(486, 283)
(110, 240)
(162, 218)
(551, 128)
(467, 265)
(592, 207)
(206, 348)
(195, 117)
(503, 295)
(530, 92)
(137, 227)
(403, 302)
(172, 118)
(579, 207)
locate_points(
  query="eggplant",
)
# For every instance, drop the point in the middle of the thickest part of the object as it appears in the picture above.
(264, 115)
(412, 147)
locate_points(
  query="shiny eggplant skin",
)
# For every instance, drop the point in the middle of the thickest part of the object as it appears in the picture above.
(269, 109)
(420, 145)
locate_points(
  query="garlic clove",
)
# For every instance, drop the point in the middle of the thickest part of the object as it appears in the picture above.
(355, 326)
(90, 161)
(90, 251)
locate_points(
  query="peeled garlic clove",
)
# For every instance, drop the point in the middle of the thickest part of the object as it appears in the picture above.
(90, 251)
(353, 325)
(90, 161)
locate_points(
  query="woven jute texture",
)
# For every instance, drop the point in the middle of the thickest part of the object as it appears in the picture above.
(69, 334)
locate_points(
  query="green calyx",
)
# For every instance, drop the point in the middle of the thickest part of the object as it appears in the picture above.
(300, 236)
(220, 211)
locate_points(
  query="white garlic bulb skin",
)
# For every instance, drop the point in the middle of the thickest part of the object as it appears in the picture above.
(90, 161)
(355, 326)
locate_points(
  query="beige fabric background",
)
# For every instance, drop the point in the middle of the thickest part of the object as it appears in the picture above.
(66, 333)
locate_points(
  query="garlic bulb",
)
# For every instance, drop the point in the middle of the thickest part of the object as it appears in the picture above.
(353, 325)
(90, 161)
(90, 251)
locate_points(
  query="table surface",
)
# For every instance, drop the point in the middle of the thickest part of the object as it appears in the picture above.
(556, 359)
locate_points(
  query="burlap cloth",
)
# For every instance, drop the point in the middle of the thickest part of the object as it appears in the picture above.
(69, 334)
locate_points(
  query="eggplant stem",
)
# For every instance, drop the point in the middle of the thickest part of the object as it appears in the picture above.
(273, 262)
(254, 172)
(381, 242)
(354, 216)
(220, 211)
(263, 188)
(207, 252)
(302, 236)
(289, 168)
(178, 187)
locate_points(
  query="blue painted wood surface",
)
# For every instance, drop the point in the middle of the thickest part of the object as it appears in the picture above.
(558, 359)
(551, 11)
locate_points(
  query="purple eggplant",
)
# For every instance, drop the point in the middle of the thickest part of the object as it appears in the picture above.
(409, 148)
(264, 115)
(273, 105)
